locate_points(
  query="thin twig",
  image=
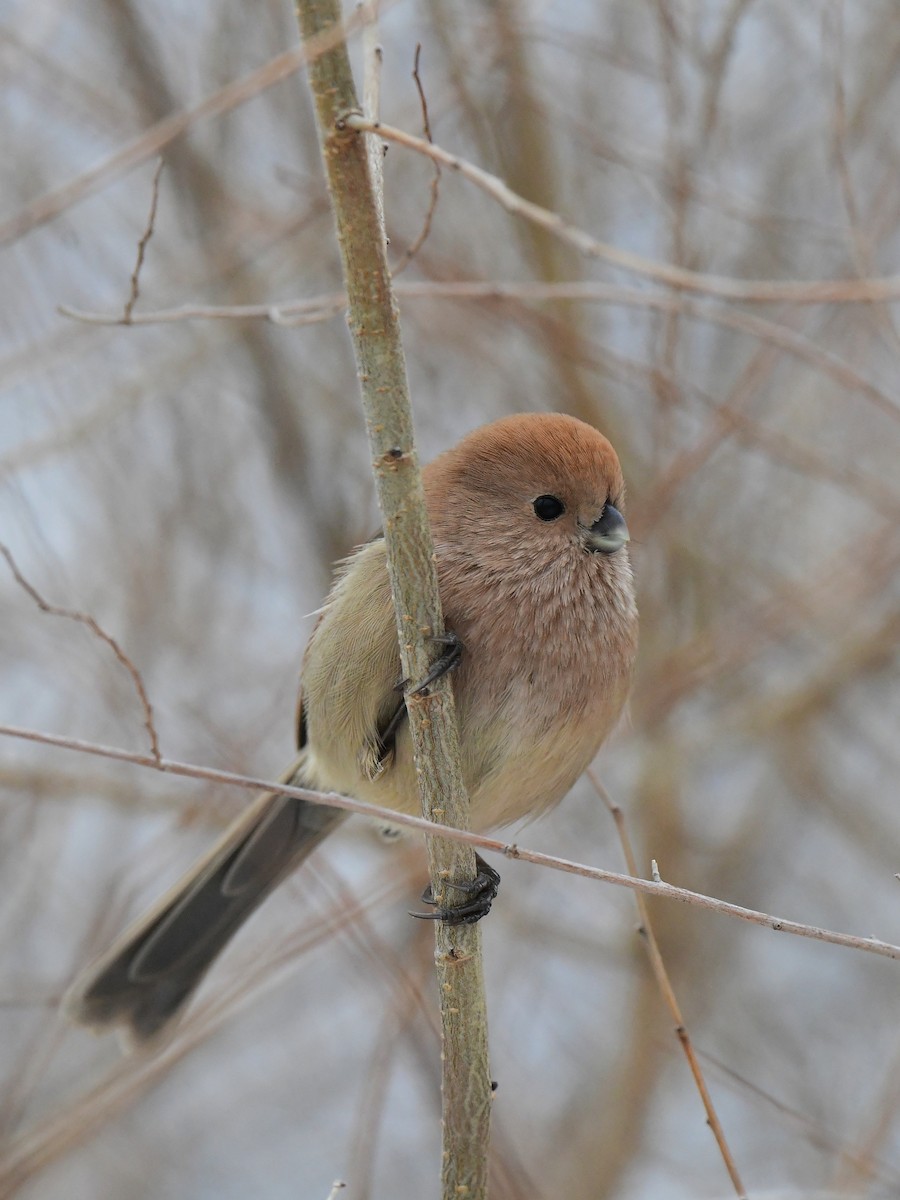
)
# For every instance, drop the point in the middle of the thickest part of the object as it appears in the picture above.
(510, 850)
(35, 1148)
(859, 1165)
(667, 991)
(373, 61)
(755, 291)
(154, 140)
(860, 241)
(717, 63)
(293, 313)
(142, 246)
(810, 1128)
(323, 307)
(86, 619)
(426, 124)
(411, 251)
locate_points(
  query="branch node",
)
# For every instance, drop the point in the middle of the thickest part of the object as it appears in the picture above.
(393, 458)
(345, 123)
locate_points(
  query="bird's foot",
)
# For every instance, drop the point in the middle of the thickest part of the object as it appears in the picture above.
(479, 892)
(453, 650)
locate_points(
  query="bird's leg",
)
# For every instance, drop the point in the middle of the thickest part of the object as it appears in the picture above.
(386, 737)
(453, 649)
(483, 888)
(480, 892)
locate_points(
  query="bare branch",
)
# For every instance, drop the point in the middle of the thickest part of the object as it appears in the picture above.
(154, 140)
(411, 251)
(381, 369)
(755, 291)
(666, 989)
(373, 61)
(142, 246)
(654, 887)
(86, 619)
(321, 308)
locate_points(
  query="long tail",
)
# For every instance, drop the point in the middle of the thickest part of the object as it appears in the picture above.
(145, 979)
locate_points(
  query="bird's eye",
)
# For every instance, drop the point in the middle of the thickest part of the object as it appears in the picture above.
(548, 508)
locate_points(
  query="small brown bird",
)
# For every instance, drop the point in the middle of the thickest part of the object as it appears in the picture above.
(536, 587)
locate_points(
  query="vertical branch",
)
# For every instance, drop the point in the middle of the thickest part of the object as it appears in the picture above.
(373, 59)
(375, 330)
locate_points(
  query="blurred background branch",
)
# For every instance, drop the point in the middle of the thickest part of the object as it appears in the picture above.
(188, 485)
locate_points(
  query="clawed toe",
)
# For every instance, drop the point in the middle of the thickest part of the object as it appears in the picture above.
(481, 892)
(453, 650)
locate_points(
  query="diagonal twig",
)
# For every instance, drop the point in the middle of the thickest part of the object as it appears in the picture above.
(71, 614)
(153, 140)
(755, 291)
(667, 991)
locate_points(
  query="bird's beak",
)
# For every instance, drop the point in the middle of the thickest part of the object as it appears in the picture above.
(609, 533)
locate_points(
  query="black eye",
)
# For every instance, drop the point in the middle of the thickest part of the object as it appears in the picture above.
(548, 508)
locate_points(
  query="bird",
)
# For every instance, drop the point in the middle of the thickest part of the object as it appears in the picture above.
(531, 548)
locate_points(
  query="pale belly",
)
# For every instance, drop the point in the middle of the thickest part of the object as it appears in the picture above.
(510, 773)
